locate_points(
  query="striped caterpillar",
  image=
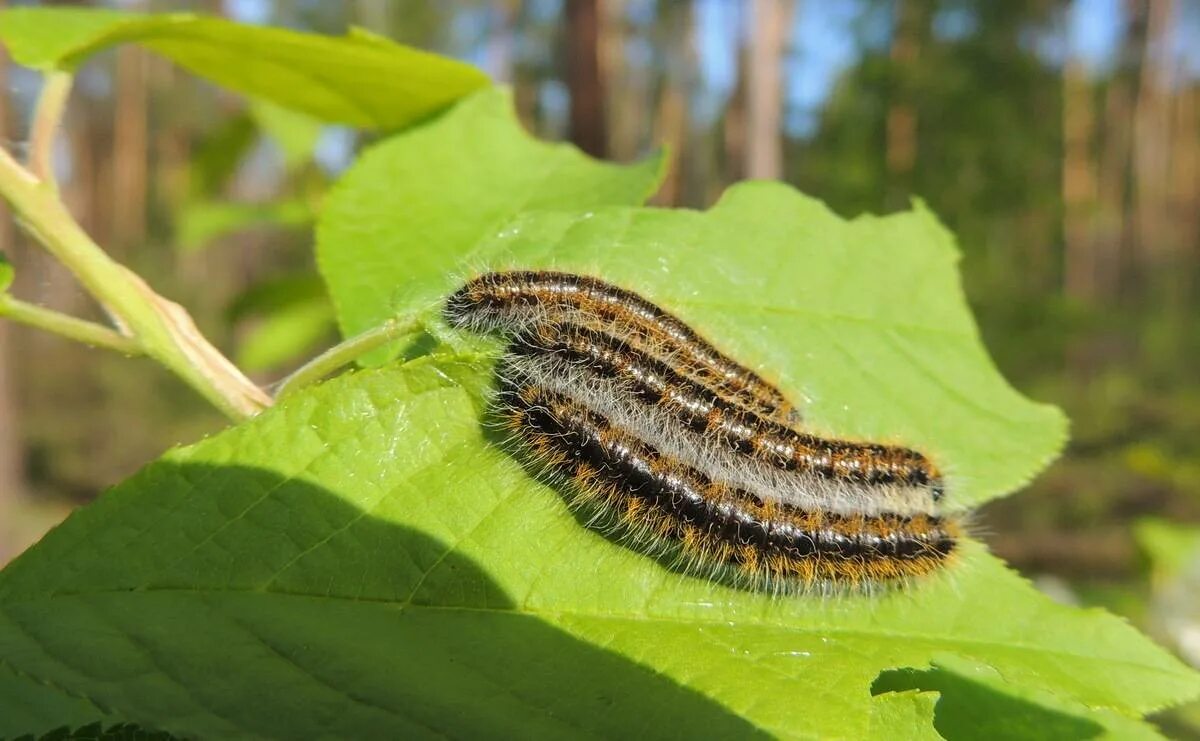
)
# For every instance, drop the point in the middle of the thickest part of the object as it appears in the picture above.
(724, 532)
(724, 441)
(687, 452)
(514, 300)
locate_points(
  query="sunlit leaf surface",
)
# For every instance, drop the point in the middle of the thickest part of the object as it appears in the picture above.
(359, 79)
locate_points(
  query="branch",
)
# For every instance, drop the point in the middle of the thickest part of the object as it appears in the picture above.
(46, 119)
(79, 330)
(161, 328)
(346, 352)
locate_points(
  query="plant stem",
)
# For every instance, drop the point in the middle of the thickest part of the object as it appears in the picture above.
(163, 329)
(86, 332)
(346, 352)
(46, 118)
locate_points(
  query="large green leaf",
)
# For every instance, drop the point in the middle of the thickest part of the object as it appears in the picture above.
(360, 79)
(364, 560)
(411, 209)
(862, 321)
(865, 322)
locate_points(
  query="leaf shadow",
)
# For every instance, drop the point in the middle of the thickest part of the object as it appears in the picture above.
(280, 609)
(972, 710)
(592, 518)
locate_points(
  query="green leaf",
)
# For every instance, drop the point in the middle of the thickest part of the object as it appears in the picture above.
(6, 273)
(413, 208)
(333, 79)
(863, 321)
(201, 222)
(29, 706)
(904, 716)
(364, 560)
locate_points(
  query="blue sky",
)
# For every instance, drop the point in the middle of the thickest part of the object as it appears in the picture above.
(827, 38)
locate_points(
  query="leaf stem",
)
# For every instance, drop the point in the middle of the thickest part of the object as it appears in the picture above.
(346, 352)
(46, 119)
(80, 330)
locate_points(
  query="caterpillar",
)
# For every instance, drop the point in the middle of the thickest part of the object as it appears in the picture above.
(725, 441)
(728, 534)
(641, 418)
(509, 301)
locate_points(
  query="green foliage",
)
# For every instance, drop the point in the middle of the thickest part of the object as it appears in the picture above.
(369, 552)
(360, 79)
(294, 316)
(287, 336)
(201, 221)
(218, 154)
(6, 273)
(1172, 551)
(414, 208)
(370, 540)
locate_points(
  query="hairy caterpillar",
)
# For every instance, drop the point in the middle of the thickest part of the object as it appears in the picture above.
(688, 453)
(714, 529)
(672, 413)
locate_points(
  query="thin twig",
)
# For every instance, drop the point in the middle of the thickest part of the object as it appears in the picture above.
(46, 119)
(89, 333)
(347, 352)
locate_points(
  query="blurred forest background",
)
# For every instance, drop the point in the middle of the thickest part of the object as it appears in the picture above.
(1059, 140)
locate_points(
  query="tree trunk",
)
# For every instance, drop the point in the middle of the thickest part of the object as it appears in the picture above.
(1114, 218)
(585, 77)
(1079, 187)
(769, 20)
(677, 24)
(1152, 137)
(901, 122)
(1186, 169)
(128, 199)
